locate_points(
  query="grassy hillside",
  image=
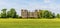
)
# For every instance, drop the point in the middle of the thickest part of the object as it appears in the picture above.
(29, 23)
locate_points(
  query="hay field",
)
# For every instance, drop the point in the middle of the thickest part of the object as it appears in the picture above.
(29, 23)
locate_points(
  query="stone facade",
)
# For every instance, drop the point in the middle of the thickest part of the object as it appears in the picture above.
(24, 13)
(27, 14)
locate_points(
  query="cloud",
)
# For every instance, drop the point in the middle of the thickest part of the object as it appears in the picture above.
(49, 1)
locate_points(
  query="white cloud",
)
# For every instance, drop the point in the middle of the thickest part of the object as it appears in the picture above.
(49, 1)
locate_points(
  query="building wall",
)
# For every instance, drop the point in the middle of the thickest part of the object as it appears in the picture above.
(25, 14)
(36, 14)
(30, 14)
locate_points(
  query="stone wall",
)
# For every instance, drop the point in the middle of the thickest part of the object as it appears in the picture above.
(26, 14)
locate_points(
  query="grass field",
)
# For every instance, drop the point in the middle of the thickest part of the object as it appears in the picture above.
(29, 23)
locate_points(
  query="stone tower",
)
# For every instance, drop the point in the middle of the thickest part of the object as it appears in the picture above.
(24, 13)
(36, 14)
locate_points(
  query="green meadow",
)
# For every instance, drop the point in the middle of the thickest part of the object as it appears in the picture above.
(29, 23)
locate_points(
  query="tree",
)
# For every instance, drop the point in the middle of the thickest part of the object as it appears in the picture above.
(12, 13)
(45, 14)
(3, 14)
(40, 14)
(58, 16)
(49, 14)
(54, 15)
(8, 14)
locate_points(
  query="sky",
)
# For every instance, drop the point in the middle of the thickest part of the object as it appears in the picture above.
(52, 5)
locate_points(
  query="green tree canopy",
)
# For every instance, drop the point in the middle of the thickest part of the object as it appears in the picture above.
(3, 14)
(12, 13)
(58, 16)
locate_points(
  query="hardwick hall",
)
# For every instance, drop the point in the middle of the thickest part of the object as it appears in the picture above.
(28, 14)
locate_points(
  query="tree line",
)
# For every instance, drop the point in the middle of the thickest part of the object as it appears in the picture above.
(41, 14)
(8, 14)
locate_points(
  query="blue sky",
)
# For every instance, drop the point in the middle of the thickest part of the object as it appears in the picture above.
(52, 5)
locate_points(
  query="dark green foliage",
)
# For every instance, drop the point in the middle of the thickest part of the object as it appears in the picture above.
(40, 14)
(46, 14)
(3, 14)
(53, 16)
(12, 13)
(58, 16)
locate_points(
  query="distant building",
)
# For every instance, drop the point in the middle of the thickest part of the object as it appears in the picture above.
(27, 14)
(24, 13)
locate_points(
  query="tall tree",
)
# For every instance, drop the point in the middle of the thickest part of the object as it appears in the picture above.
(12, 13)
(40, 14)
(49, 14)
(45, 14)
(58, 16)
(54, 16)
(3, 14)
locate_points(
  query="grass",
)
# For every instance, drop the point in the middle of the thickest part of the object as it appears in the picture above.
(29, 23)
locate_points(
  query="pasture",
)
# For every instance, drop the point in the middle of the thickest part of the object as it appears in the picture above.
(29, 23)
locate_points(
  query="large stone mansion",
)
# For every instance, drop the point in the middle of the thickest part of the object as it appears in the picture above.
(27, 14)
